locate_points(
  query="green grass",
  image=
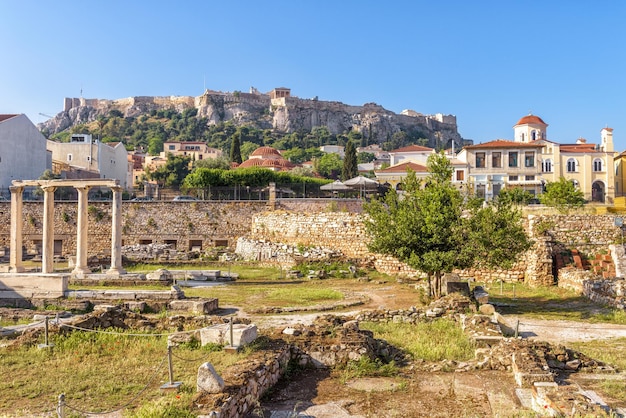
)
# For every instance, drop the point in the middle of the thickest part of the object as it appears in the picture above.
(611, 352)
(253, 294)
(245, 271)
(552, 303)
(365, 367)
(433, 341)
(100, 372)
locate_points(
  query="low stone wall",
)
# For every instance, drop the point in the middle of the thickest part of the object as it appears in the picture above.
(245, 384)
(610, 292)
(281, 254)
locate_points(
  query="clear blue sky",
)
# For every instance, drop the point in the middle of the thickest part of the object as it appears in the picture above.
(487, 62)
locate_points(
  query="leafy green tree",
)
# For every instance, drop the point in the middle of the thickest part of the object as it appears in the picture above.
(515, 196)
(155, 145)
(563, 195)
(432, 228)
(350, 167)
(329, 165)
(235, 150)
(365, 157)
(296, 155)
(173, 172)
(222, 163)
(247, 148)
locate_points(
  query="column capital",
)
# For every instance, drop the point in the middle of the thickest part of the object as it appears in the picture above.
(16, 189)
(50, 189)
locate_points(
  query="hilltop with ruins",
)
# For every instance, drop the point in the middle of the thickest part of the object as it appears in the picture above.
(277, 110)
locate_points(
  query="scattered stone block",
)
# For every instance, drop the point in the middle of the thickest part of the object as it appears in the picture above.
(486, 309)
(481, 295)
(291, 331)
(160, 274)
(220, 334)
(458, 287)
(208, 380)
(195, 306)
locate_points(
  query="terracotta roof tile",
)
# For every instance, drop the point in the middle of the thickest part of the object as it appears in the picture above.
(531, 119)
(413, 148)
(264, 152)
(5, 117)
(403, 167)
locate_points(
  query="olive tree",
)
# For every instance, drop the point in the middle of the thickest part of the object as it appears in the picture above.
(433, 228)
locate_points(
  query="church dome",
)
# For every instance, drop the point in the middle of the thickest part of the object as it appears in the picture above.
(265, 152)
(531, 120)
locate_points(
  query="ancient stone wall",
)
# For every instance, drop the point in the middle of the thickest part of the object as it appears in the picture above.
(183, 225)
(610, 292)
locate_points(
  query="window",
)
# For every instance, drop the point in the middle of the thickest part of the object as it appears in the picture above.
(522, 136)
(530, 178)
(496, 159)
(171, 147)
(529, 159)
(69, 157)
(571, 165)
(533, 135)
(480, 160)
(460, 175)
(513, 178)
(480, 191)
(546, 165)
(512, 159)
(597, 164)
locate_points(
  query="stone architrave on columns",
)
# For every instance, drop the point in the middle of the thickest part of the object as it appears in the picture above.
(47, 258)
(81, 267)
(116, 233)
(15, 246)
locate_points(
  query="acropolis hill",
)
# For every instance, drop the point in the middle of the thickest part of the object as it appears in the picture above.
(277, 110)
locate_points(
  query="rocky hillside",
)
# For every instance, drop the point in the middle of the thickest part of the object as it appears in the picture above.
(265, 111)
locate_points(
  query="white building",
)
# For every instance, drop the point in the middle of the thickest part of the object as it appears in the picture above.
(109, 160)
(23, 154)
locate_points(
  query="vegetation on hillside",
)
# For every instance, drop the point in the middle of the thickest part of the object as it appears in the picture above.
(151, 130)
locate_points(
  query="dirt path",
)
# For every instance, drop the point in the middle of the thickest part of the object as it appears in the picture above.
(560, 331)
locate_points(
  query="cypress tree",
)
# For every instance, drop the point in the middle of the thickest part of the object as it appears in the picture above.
(350, 167)
(235, 150)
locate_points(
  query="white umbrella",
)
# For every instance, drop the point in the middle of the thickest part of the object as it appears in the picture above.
(335, 186)
(362, 182)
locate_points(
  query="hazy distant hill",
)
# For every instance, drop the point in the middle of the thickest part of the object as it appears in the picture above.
(267, 111)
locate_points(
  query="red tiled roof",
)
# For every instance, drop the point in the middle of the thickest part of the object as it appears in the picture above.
(608, 129)
(252, 162)
(403, 167)
(413, 148)
(531, 119)
(579, 148)
(503, 143)
(264, 152)
(5, 117)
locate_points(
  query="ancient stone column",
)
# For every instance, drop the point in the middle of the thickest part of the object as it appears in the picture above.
(47, 258)
(81, 234)
(116, 233)
(15, 258)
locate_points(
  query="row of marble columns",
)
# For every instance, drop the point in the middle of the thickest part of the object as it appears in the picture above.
(81, 267)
